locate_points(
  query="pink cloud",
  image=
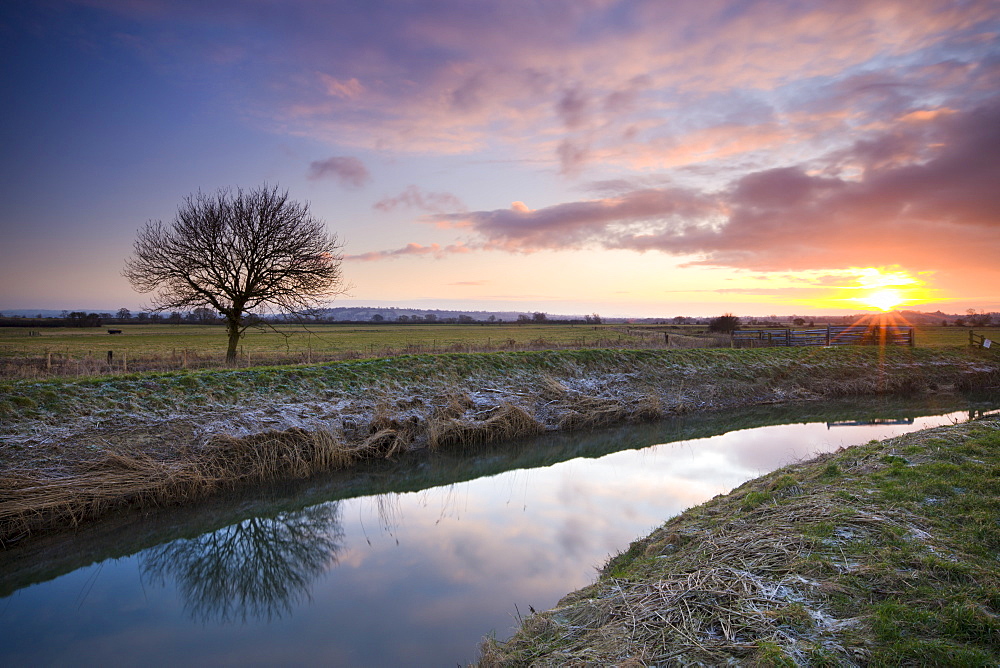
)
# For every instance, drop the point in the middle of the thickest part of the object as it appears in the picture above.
(579, 77)
(577, 224)
(347, 170)
(697, 146)
(349, 89)
(411, 249)
(508, 80)
(416, 198)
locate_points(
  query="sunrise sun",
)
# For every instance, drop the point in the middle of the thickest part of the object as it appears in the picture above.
(886, 289)
(885, 300)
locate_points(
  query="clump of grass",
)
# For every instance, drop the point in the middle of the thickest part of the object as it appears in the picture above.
(550, 388)
(452, 405)
(388, 435)
(273, 455)
(582, 411)
(506, 422)
(769, 653)
(591, 412)
(31, 500)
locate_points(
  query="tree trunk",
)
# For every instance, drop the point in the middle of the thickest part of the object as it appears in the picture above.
(233, 329)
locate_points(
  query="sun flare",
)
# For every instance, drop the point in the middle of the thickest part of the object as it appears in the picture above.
(886, 299)
(885, 289)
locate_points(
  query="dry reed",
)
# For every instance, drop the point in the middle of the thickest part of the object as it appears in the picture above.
(119, 479)
(587, 412)
(506, 422)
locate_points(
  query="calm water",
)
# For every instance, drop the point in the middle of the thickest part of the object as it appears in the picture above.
(396, 578)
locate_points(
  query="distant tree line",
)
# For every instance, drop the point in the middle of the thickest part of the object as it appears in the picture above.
(975, 319)
(200, 316)
(206, 316)
(67, 319)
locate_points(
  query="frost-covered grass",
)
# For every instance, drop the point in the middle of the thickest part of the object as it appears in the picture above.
(882, 554)
(845, 370)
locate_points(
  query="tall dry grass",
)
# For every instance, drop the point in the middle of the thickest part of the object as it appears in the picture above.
(32, 501)
(507, 422)
(65, 497)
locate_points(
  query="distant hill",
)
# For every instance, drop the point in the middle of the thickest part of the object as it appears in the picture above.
(396, 314)
(392, 314)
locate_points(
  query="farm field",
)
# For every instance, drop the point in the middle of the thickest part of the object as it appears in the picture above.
(75, 351)
(208, 339)
(935, 337)
(161, 347)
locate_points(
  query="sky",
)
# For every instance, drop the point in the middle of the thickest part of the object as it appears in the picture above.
(629, 158)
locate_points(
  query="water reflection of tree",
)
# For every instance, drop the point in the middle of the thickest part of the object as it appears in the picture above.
(256, 569)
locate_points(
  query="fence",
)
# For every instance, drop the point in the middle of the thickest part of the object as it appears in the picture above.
(979, 340)
(833, 335)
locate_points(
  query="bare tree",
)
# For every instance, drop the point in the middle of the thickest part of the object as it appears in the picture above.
(237, 252)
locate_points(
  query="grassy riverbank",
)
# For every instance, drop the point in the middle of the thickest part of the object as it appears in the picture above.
(72, 450)
(881, 554)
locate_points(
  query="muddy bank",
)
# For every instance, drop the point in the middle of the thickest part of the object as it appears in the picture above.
(879, 554)
(72, 451)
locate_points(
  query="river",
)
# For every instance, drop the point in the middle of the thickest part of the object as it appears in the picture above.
(403, 563)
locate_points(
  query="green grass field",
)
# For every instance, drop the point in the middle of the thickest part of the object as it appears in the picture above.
(953, 336)
(211, 339)
(83, 351)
